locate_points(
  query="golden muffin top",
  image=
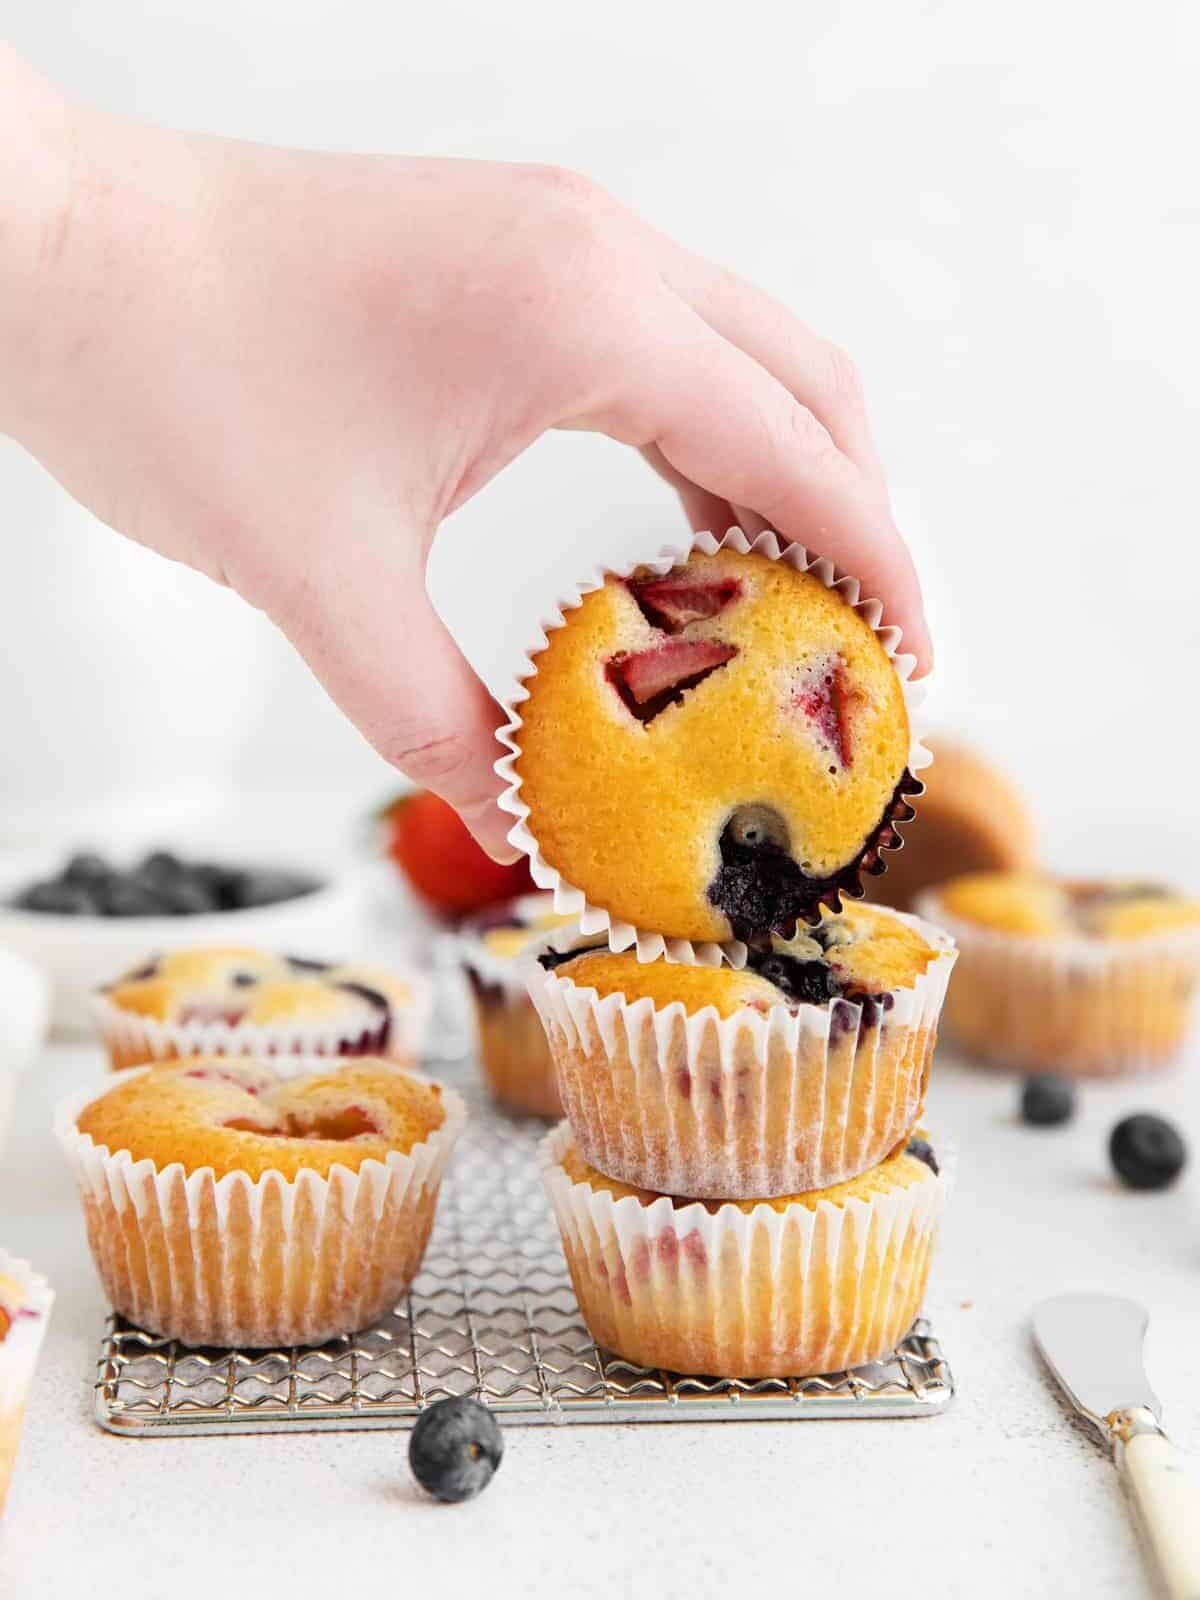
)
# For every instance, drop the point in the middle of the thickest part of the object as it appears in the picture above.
(859, 953)
(1049, 908)
(505, 930)
(247, 1115)
(706, 753)
(905, 1168)
(972, 818)
(237, 985)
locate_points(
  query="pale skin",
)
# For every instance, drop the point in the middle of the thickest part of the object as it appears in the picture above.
(285, 369)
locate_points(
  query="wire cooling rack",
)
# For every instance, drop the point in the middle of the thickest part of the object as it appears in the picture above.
(492, 1313)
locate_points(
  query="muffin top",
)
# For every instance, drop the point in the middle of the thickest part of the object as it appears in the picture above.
(235, 985)
(247, 1115)
(972, 818)
(1049, 908)
(505, 930)
(859, 953)
(711, 752)
(906, 1167)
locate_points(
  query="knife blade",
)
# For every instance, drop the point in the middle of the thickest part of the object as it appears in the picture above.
(1092, 1344)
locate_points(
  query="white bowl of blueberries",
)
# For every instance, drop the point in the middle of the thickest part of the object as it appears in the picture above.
(84, 920)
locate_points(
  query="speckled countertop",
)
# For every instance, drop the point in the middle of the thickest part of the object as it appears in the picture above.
(1003, 1495)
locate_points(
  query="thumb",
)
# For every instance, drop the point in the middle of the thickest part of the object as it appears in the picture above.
(368, 630)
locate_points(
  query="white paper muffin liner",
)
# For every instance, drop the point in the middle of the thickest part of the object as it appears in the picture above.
(18, 1357)
(571, 900)
(256, 1262)
(134, 1040)
(732, 1293)
(748, 1106)
(1085, 1007)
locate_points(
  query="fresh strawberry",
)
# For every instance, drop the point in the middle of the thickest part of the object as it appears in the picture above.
(439, 858)
(653, 679)
(829, 699)
(671, 602)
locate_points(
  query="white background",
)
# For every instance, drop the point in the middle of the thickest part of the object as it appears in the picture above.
(993, 208)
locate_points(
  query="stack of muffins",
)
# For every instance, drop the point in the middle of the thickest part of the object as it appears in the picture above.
(707, 755)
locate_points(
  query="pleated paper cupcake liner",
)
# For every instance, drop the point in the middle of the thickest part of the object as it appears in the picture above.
(514, 1054)
(724, 1292)
(568, 898)
(748, 1106)
(1088, 1008)
(19, 1352)
(268, 1261)
(134, 1041)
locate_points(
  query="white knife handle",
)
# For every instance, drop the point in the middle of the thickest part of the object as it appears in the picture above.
(1166, 1497)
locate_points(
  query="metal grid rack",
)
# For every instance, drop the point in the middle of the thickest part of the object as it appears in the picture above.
(491, 1313)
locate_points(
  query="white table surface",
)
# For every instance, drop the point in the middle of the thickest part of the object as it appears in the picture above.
(1003, 1495)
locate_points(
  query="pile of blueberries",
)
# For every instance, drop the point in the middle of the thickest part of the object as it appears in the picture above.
(160, 885)
(1146, 1151)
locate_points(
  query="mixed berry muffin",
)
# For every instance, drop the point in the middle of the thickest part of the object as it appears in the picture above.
(236, 1201)
(1091, 978)
(972, 818)
(803, 1284)
(25, 1302)
(235, 1001)
(512, 1045)
(798, 1071)
(712, 752)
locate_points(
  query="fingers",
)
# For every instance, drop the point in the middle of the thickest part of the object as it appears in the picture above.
(370, 634)
(705, 512)
(820, 375)
(723, 423)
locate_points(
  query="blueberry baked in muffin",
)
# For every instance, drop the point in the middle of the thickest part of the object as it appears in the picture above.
(714, 752)
(238, 1000)
(804, 1283)
(1092, 978)
(799, 1070)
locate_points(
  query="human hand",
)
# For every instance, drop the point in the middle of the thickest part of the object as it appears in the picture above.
(285, 369)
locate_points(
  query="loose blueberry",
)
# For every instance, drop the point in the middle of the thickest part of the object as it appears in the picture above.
(86, 867)
(160, 866)
(263, 888)
(923, 1150)
(1047, 1100)
(126, 897)
(59, 899)
(455, 1448)
(1147, 1151)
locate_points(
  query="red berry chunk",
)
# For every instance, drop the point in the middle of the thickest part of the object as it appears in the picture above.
(672, 601)
(828, 699)
(668, 669)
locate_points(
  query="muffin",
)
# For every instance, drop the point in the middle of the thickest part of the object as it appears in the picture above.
(799, 1071)
(25, 1302)
(804, 1284)
(268, 1201)
(713, 751)
(512, 1044)
(235, 1001)
(971, 819)
(1089, 978)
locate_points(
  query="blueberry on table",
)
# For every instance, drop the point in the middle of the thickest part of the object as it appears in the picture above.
(1147, 1151)
(1047, 1100)
(455, 1448)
